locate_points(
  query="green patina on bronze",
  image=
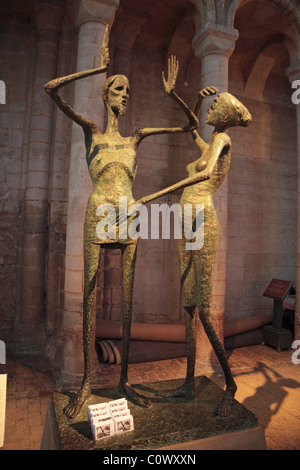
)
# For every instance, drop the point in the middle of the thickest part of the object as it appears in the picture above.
(196, 266)
(112, 166)
(167, 422)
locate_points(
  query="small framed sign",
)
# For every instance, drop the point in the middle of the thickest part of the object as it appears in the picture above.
(278, 289)
(275, 335)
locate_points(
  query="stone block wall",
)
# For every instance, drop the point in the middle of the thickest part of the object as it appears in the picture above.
(16, 62)
(23, 124)
(58, 203)
(262, 205)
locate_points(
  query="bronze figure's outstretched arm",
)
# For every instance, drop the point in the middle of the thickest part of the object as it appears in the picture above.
(53, 86)
(217, 147)
(174, 187)
(208, 91)
(169, 86)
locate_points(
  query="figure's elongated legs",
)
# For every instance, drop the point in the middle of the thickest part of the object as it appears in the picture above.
(91, 261)
(187, 280)
(224, 407)
(190, 326)
(204, 266)
(187, 389)
(187, 289)
(129, 258)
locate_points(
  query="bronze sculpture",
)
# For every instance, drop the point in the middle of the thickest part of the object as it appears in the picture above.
(196, 266)
(111, 161)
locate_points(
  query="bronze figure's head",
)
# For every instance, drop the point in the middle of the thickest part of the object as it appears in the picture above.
(115, 94)
(227, 111)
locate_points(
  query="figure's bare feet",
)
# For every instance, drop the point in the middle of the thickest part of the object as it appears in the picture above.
(185, 391)
(225, 406)
(129, 392)
(75, 404)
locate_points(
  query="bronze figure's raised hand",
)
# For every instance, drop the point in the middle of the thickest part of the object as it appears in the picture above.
(208, 91)
(173, 67)
(105, 60)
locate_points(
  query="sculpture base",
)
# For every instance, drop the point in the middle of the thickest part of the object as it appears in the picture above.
(170, 423)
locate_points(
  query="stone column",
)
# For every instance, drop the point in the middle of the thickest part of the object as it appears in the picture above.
(91, 19)
(214, 45)
(293, 74)
(48, 19)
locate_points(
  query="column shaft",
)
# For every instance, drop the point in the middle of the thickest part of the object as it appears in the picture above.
(37, 179)
(92, 18)
(214, 46)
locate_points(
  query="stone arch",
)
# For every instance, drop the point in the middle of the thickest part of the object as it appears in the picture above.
(205, 12)
(292, 43)
(179, 35)
(290, 37)
(261, 70)
(289, 6)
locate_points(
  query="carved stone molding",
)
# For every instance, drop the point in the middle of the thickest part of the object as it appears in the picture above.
(215, 39)
(293, 72)
(102, 11)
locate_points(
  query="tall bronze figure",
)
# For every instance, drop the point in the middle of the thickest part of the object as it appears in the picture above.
(112, 165)
(196, 266)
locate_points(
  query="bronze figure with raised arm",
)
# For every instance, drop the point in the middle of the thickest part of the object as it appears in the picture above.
(196, 265)
(111, 160)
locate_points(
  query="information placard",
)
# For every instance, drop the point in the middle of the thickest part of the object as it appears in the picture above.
(3, 382)
(110, 418)
(278, 289)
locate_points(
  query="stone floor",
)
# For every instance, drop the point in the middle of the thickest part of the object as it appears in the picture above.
(268, 385)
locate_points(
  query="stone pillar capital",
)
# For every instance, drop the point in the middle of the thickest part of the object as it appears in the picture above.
(215, 39)
(293, 71)
(102, 11)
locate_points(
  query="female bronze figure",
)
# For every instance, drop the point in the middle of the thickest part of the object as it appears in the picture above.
(111, 160)
(196, 266)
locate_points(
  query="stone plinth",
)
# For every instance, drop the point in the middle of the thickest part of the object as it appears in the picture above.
(168, 424)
